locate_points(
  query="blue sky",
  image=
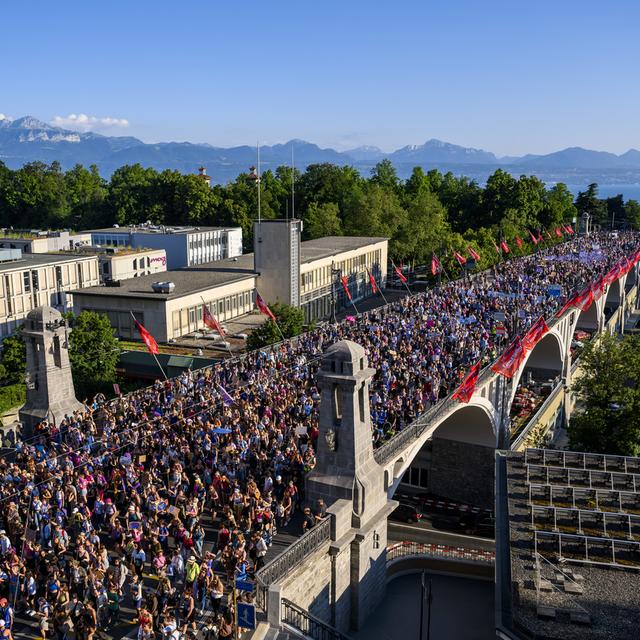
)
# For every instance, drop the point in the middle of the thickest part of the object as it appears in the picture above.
(509, 76)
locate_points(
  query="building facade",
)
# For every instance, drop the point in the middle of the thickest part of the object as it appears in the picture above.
(121, 264)
(35, 280)
(326, 260)
(184, 246)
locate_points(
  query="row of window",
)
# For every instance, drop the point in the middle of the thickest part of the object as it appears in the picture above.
(189, 319)
(322, 275)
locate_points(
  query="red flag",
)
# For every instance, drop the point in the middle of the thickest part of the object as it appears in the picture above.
(539, 236)
(345, 286)
(536, 331)
(519, 242)
(568, 229)
(474, 254)
(558, 232)
(510, 360)
(263, 308)
(399, 272)
(584, 299)
(468, 386)
(372, 281)
(533, 238)
(436, 267)
(504, 246)
(210, 321)
(597, 288)
(461, 259)
(148, 339)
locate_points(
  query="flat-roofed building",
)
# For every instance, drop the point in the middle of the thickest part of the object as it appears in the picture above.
(36, 241)
(32, 280)
(325, 260)
(174, 308)
(184, 246)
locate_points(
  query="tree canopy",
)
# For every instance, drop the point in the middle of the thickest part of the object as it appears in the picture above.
(429, 212)
(290, 323)
(608, 391)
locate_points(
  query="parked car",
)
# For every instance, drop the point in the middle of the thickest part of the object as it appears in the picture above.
(406, 513)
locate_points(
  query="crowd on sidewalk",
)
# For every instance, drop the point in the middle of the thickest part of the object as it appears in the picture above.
(162, 498)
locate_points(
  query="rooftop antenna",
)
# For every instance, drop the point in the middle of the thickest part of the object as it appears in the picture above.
(293, 185)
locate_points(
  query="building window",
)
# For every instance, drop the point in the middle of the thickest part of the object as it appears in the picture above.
(59, 277)
(35, 280)
(27, 281)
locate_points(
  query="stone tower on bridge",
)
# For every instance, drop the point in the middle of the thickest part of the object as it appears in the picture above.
(50, 392)
(351, 482)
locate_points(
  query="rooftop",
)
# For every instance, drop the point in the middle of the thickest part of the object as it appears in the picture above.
(158, 229)
(332, 245)
(31, 260)
(574, 544)
(187, 281)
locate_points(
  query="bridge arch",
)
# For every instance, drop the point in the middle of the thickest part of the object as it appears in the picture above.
(614, 296)
(589, 320)
(544, 361)
(472, 423)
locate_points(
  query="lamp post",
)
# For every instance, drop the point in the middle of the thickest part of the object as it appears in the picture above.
(334, 272)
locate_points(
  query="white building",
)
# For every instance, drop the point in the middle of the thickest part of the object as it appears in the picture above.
(28, 281)
(184, 246)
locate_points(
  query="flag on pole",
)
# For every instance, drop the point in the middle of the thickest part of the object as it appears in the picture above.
(436, 267)
(539, 235)
(263, 308)
(510, 360)
(519, 242)
(345, 286)
(568, 229)
(399, 273)
(558, 232)
(226, 396)
(504, 246)
(464, 392)
(148, 339)
(461, 259)
(474, 254)
(209, 321)
(535, 333)
(372, 281)
(533, 238)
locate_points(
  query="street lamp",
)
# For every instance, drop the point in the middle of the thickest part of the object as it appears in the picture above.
(334, 272)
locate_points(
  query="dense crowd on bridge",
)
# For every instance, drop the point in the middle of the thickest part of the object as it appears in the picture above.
(156, 500)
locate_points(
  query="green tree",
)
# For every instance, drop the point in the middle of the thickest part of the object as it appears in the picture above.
(608, 390)
(14, 359)
(290, 322)
(322, 220)
(93, 352)
(588, 202)
(632, 213)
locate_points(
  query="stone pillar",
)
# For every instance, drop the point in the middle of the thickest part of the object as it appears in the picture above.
(50, 392)
(351, 482)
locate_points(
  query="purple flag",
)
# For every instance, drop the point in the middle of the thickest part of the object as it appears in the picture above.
(226, 397)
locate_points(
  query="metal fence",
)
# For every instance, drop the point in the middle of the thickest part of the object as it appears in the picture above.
(439, 551)
(305, 623)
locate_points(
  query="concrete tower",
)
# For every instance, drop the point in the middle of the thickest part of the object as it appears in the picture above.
(351, 482)
(50, 393)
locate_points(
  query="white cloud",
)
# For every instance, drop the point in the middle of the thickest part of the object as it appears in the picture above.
(83, 122)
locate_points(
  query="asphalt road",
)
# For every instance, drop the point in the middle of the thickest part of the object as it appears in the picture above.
(424, 532)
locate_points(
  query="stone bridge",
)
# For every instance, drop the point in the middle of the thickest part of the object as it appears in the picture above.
(335, 575)
(456, 442)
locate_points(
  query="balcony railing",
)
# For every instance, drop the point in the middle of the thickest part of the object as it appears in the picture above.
(439, 551)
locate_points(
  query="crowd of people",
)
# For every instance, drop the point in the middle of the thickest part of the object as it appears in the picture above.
(156, 502)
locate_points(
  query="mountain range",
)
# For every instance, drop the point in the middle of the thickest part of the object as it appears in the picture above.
(28, 139)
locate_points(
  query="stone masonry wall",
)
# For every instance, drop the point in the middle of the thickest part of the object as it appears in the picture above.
(462, 471)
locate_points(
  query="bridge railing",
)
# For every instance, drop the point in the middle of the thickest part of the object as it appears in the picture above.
(308, 625)
(290, 558)
(439, 551)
